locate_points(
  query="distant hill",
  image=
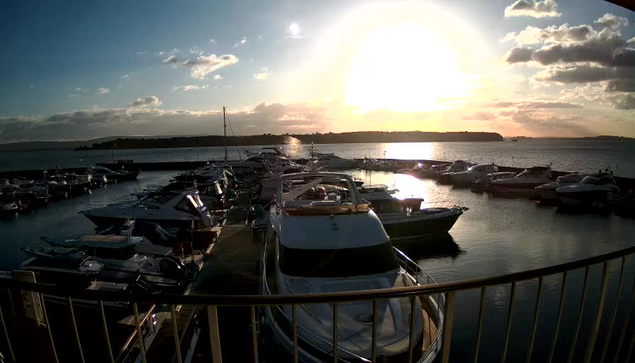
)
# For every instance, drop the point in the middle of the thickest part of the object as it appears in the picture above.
(50, 145)
(269, 139)
(608, 138)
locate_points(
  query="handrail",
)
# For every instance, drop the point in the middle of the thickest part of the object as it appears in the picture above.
(260, 300)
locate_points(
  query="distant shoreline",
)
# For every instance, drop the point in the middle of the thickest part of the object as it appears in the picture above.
(269, 139)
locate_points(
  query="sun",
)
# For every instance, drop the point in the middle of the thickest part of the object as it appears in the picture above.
(294, 29)
(404, 67)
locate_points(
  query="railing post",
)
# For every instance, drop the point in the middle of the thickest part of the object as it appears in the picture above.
(294, 313)
(137, 321)
(214, 333)
(373, 355)
(510, 319)
(480, 324)
(580, 313)
(563, 292)
(6, 335)
(536, 314)
(335, 331)
(48, 330)
(254, 333)
(598, 316)
(626, 320)
(175, 335)
(447, 326)
(74, 323)
(413, 311)
(104, 325)
(615, 309)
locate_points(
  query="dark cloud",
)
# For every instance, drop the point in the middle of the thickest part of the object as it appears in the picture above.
(519, 55)
(584, 74)
(547, 123)
(620, 85)
(150, 101)
(533, 105)
(86, 124)
(533, 8)
(624, 102)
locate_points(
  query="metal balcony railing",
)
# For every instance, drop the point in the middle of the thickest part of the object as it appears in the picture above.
(446, 296)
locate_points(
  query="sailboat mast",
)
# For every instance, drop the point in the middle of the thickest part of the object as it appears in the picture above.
(225, 132)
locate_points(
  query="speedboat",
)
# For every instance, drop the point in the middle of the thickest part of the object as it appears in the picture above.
(596, 188)
(182, 210)
(473, 174)
(547, 192)
(523, 183)
(481, 185)
(331, 161)
(404, 219)
(336, 243)
(207, 174)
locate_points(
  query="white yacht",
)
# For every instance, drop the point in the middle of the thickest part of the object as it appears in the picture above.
(207, 174)
(523, 183)
(473, 174)
(455, 167)
(404, 219)
(165, 208)
(592, 189)
(331, 161)
(547, 192)
(324, 238)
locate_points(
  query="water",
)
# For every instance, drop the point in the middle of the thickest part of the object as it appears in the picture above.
(568, 155)
(495, 236)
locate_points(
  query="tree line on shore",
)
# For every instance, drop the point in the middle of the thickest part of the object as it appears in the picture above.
(270, 139)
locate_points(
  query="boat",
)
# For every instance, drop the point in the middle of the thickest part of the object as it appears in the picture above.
(455, 167)
(523, 183)
(112, 176)
(70, 270)
(404, 219)
(9, 204)
(473, 174)
(547, 192)
(480, 186)
(181, 210)
(331, 161)
(207, 174)
(592, 190)
(338, 244)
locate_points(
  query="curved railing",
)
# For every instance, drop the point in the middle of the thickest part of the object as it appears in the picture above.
(449, 290)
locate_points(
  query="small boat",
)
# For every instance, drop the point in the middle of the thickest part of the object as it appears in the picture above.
(444, 172)
(208, 174)
(593, 189)
(314, 247)
(547, 192)
(480, 186)
(473, 174)
(523, 183)
(68, 270)
(182, 210)
(404, 219)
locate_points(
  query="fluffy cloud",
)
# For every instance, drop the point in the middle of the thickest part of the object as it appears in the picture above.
(102, 91)
(551, 34)
(533, 8)
(218, 77)
(150, 101)
(611, 21)
(79, 125)
(624, 102)
(532, 105)
(189, 87)
(479, 116)
(263, 74)
(243, 41)
(519, 55)
(202, 65)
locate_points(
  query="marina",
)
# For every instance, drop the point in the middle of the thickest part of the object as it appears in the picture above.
(486, 227)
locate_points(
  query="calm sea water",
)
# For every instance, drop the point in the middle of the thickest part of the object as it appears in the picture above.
(569, 155)
(495, 236)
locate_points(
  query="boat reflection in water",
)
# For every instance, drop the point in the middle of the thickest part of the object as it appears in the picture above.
(430, 247)
(324, 238)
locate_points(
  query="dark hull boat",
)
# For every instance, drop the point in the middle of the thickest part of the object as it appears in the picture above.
(430, 221)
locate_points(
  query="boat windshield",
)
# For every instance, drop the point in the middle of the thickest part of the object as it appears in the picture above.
(338, 263)
(590, 180)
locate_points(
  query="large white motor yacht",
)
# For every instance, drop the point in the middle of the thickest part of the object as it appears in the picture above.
(165, 208)
(473, 174)
(547, 192)
(324, 238)
(331, 161)
(594, 188)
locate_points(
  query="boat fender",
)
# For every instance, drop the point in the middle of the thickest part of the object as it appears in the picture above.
(172, 267)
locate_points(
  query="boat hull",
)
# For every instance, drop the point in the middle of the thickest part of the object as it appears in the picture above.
(417, 226)
(585, 197)
(105, 222)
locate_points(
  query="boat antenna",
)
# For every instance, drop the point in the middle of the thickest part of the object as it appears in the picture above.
(225, 132)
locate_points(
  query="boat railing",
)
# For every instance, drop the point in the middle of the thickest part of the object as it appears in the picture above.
(441, 204)
(589, 332)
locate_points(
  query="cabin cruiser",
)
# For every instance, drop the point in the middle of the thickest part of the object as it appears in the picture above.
(404, 218)
(312, 246)
(182, 210)
(480, 186)
(547, 192)
(473, 174)
(331, 161)
(523, 183)
(267, 159)
(112, 176)
(596, 188)
(455, 167)
(208, 174)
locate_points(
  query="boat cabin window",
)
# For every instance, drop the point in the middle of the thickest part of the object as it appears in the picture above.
(590, 180)
(338, 263)
(189, 204)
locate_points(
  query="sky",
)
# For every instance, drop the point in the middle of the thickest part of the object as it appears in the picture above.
(75, 70)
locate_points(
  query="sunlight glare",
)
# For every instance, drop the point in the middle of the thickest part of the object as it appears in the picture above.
(294, 29)
(404, 67)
